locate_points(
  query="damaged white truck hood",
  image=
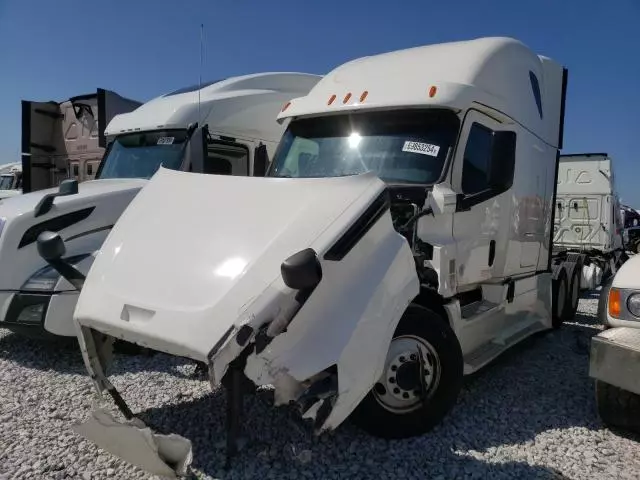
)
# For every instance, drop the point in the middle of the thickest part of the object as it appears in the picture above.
(193, 268)
(192, 251)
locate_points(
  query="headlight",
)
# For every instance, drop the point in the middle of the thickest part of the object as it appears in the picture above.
(633, 304)
(45, 279)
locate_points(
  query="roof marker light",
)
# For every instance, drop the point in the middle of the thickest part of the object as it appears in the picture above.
(363, 96)
(286, 105)
(346, 97)
(331, 99)
(432, 91)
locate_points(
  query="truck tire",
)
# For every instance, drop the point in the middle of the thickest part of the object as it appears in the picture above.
(559, 292)
(602, 302)
(396, 406)
(573, 293)
(636, 246)
(618, 408)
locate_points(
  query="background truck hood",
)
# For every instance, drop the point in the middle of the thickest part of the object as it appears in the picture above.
(25, 203)
(192, 250)
(83, 220)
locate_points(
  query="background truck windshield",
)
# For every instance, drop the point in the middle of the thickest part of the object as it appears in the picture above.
(140, 155)
(6, 182)
(408, 146)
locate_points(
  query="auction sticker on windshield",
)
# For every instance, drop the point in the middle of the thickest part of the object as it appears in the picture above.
(165, 140)
(421, 148)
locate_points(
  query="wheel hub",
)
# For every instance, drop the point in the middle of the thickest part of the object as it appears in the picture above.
(412, 371)
(408, 376)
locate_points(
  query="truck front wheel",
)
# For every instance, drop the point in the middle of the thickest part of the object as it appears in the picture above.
(420, 382)
(618, 408)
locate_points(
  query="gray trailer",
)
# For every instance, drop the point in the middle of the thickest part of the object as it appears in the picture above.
(66, 139)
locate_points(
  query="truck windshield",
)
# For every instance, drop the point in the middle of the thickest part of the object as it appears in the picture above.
(140, 155)
(6, 182)
(401, 147)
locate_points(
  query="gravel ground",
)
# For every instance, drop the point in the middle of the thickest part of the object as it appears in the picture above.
(531, 414)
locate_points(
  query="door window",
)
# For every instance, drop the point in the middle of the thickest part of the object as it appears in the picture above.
(476, 167)
(226, 158)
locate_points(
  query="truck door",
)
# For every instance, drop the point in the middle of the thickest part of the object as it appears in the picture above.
(42, 144)
(482, 175)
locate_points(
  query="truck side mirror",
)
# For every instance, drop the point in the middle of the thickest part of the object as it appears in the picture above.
(302, 270)
(67, 187)
(51, 248)
(196, 147)
(260, 161)
(442, 199)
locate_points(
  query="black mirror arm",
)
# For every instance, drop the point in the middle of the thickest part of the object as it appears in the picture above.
(422, 213)
(69, 273)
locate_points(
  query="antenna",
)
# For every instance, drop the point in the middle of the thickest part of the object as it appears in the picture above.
(200, 73)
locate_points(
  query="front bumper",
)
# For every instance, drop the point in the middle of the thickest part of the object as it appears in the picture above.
(38, 314)
(25, 313)
(615, 358)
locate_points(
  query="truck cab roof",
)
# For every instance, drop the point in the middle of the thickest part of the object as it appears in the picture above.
(229, 104)
(497, 71)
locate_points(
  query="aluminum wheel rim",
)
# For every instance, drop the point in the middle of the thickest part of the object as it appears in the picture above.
(401, 365)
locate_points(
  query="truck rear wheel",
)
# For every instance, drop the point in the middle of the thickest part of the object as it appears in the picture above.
(421, 379)
(574, 274)
(559, 292)
(618, 408)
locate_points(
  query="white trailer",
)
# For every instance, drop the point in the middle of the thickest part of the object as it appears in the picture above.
(10, 180)
(588, 226)
(401, 240)
(228, 128)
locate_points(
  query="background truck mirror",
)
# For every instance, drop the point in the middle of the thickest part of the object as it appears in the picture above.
(196, 146)
(68, 187)
(260, 160)
(51, 246)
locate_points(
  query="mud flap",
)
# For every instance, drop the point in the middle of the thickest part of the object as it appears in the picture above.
(165, 455)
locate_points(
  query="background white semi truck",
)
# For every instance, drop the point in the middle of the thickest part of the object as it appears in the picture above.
(402, 239)
(228, 128)
(588, 225)
(10, 180)
(62, 140)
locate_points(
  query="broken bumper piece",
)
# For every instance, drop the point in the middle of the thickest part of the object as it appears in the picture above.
(165, 455)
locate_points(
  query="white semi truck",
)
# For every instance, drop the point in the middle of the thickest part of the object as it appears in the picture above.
(588, 225)
(62, 140)
(402, 238)
(615, 353)
(10, 180)
(228, 127)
